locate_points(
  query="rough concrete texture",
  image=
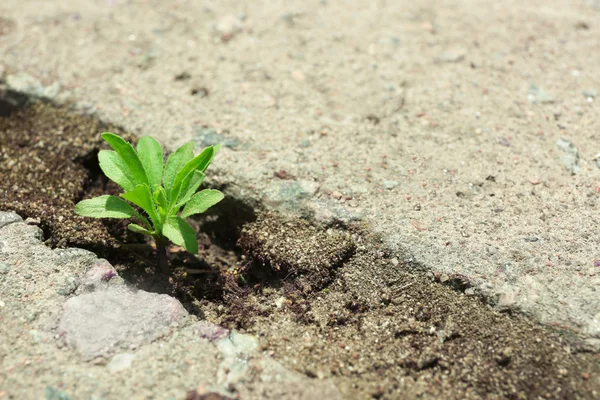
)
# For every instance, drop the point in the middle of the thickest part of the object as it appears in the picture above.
(61, 308)
(465, 133)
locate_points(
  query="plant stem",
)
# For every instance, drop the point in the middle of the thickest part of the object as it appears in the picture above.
(163, 257)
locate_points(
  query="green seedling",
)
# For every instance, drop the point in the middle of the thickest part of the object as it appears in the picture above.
(159, 190)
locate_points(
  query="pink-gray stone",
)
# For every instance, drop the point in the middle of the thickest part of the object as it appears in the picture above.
(98, 323)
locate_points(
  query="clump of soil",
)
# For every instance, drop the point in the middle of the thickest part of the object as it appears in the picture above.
(296, 250)
(328, 303)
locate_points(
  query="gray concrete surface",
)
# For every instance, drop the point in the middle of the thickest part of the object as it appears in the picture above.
(465, 133)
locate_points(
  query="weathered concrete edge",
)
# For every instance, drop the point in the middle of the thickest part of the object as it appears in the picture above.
(297, 198)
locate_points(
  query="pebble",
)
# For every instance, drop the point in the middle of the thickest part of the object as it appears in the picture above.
(212, 332)
(120, 362)
(4, 268)
(539, 95)
(35, 335)
(507, 299)
(593, 93)
(571, 157)
(504, 356)
(229, 26)
(27, 276)
(280, 302)
(95, 323)
(389, 185)
(69, 287)
(452, 55)
(204, 137)
(55, 394)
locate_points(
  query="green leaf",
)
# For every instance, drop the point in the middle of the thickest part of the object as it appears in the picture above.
(104, 207)
(115, 169)
(201, 202)
(141, 197)
(181, 233)
(190, 184)
(151, 156)
(138, 229)
(128, 154)
(175, 162)
(200, 163)
(160, 199)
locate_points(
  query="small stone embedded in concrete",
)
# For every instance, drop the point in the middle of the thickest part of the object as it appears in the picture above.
(452, 55)
(55, 394)
(98, 276)
(9, 217)
(69, 287)
(120, 362)
(235, 350)
(228, 26)
(571, 156)
(537, 95)
(95, 324)
(508, 298)
(389, 185)
(4, 268)
(204, 137)
(212, 332)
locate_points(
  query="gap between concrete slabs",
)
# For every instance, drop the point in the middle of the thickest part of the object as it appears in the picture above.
(432, 136)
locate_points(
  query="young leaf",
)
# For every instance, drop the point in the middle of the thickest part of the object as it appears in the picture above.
(200, 163)
(181, 233)
(151, 156)
(189, 186)
(115, 169)
(128, 154)
(201, 202)
(138, 229)
(160, 199)
(175, 162)
(141, 197)
(104, 207)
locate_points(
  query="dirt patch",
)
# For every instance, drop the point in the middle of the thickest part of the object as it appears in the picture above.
(328, 303)
(381, 331)
(48, 157)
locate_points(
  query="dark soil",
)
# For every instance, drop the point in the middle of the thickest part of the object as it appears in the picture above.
(326, 302)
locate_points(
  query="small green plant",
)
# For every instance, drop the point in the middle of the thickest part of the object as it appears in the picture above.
(159, 189)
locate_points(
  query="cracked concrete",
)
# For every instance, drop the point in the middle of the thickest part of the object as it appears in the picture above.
(418, 121)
